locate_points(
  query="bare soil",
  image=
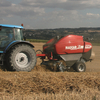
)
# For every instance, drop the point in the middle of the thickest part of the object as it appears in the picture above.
(42, 80)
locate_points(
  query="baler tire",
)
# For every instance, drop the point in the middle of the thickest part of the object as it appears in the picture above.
(80, 66)
(21, 57)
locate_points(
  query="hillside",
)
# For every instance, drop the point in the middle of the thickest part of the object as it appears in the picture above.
(46, 34)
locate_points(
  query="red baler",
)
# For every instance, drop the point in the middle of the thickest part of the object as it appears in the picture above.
(65, 52)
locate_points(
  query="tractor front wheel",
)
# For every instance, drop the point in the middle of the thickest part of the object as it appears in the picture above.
(22, 57)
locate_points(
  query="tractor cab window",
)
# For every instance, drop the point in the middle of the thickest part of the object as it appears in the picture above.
(18, 34)
(6, 36)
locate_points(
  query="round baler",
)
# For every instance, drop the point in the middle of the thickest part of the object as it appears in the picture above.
(65, 52)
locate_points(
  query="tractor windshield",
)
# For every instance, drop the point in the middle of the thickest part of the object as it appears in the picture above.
(18, 34)
(6, 36)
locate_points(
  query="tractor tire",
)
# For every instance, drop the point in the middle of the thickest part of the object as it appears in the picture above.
(80, 66)
(21, 57)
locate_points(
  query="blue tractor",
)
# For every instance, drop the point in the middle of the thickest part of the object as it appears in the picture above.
(15, 53)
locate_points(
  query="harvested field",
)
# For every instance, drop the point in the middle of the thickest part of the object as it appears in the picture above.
(43, 84)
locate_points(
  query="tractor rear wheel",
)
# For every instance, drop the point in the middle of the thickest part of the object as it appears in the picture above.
(21, 57)
(80, 66)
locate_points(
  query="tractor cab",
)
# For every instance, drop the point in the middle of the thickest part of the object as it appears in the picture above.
(8, 34)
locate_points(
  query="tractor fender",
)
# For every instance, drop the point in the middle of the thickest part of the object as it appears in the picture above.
(15, 43)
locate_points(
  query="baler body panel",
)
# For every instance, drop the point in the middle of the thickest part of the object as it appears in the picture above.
(50, 45)
(70, 44)
(87, 46)
(67, 45)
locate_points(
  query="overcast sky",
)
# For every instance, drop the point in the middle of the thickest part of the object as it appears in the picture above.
(45, 14)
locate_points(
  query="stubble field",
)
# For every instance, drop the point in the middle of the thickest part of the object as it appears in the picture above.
(43, 84)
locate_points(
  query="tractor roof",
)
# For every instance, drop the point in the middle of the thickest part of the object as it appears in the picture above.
(11, 26)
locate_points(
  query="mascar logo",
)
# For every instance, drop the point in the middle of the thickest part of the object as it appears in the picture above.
(74, 47)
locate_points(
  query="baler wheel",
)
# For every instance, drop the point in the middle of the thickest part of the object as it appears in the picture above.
(80, 66)
(21, 57)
